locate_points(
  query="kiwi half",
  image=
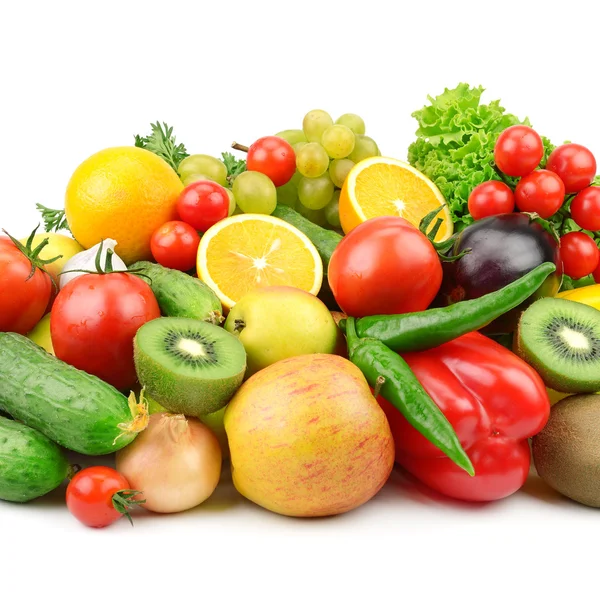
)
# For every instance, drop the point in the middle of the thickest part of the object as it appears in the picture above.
(188, 366)
(566, 453)
(561, 340)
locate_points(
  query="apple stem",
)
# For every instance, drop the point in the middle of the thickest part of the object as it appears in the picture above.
(239, 325)
(380, 381)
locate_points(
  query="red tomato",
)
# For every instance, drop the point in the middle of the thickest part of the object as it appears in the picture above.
(596, 273)
(274, 157)
(23, 296)
(384, 266)
(518, 151)
(579, 254)
(541, 192)
(574, 164)
(175, 245)
(94, 320)
(491, 198)
(99, 496)
(202, 204)
(585, 209)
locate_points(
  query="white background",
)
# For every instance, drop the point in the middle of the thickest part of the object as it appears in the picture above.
(78, 77)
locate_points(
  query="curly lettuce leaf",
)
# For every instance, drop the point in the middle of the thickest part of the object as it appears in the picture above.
(455, 144)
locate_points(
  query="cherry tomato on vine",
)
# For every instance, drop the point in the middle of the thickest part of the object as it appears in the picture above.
(585, 209)
(274, 157)
(518, 151)
(202, 204)
(99, 496)
(491, 198)
(384, 266)
(94, 320)
(25, 288)
(541, 192)
(175, 245)
(579, 254)
(574, 164)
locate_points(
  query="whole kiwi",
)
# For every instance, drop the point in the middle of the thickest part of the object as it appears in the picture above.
(566, 453)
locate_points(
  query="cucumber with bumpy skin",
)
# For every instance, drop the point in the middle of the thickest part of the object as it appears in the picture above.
(31, 465)
(74, 409)
(179, 294)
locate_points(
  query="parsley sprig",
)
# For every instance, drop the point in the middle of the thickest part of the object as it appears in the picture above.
(163, 143)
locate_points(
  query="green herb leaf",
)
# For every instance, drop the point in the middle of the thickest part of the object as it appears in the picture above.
(234, 166)
(54, 220)
(163, 143)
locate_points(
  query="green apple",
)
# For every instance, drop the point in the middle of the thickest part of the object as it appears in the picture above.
(279, 322)
(40, 334)
(215, 422)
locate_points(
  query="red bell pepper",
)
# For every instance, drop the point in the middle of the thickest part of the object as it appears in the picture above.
(495, 402)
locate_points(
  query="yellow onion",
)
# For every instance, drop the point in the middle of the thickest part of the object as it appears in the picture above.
(176, 461)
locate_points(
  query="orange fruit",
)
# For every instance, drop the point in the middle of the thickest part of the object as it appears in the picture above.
(380, 186)
(247, 251)
(123, 193)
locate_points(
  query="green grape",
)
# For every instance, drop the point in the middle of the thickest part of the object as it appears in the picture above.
(298, 145)
(292, 136)
(338, 141)
(288, 193)
(338, 171)
(332, 211)
(316, 216)
(312, 160)
(203, 164)
(352, 122)
(316, 192)
(191, 177)
(315, 123)
(232, 203)
(365, 147)
(255, 193)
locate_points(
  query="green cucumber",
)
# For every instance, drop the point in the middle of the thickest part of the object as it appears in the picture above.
(325, 240)
(179, 294)
(31, 465)
(74, 409)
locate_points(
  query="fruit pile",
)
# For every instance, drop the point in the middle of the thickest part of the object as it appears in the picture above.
(311, 314)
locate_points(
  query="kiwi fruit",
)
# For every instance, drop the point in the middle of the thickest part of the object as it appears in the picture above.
(188, 366)
(560, 339)
(566, 453)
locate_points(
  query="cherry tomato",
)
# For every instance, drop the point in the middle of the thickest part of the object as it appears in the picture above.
(175, 245)
(585, 209)
(596, 273)
(99, 496)
(518, 151)
(574, 164)
(274, 157)
(94, 320)
(384, 266)
(579, 254)
(25, 289)
(202, 204)
(491, 198)
(541, 192)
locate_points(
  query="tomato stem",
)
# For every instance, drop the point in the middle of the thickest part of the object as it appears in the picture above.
(239, 147)
(123, 501)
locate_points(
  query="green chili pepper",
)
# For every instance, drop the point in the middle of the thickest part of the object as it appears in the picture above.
(412, 332)
(387, 372)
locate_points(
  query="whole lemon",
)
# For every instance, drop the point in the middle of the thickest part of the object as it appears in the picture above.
(122, 193)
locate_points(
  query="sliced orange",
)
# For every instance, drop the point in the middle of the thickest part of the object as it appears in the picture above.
(380, 186)
(247, 251)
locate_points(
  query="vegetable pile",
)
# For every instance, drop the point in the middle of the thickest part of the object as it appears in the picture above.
(312, 313)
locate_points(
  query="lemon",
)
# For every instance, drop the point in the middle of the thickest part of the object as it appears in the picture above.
(122, 193)
(247, 251)
(380, 186)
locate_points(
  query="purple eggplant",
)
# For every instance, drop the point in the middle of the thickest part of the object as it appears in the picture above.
(502, 249)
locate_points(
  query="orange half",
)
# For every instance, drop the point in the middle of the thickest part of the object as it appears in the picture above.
(380, 186)
(247, 251)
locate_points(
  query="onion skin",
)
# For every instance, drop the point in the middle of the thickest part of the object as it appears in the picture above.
(176, 461)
